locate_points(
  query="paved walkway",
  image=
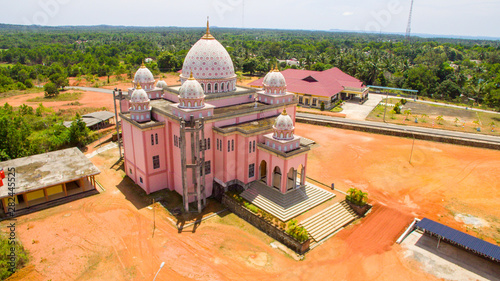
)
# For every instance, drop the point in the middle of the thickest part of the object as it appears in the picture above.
(436, 132)
(90, 89)
(356, 111)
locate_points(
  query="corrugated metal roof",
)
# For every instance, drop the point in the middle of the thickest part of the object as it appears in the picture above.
(93, 118)
(462, 239)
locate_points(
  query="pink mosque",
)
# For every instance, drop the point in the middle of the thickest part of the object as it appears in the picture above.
(202, 136)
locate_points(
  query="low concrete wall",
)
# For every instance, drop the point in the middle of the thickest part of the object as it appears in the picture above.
(398, 133)
(265, 226)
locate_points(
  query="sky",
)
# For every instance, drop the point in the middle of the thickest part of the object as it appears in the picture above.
(442, 17)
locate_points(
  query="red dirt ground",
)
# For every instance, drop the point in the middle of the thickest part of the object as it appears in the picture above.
(88, 99)
(441, 180)
(109, 236)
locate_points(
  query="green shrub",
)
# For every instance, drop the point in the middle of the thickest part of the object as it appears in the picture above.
(356, 196)
(297, 231)
(397, 108)
(322, 106)
(5, 250)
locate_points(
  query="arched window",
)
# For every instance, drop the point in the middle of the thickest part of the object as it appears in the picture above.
(216, 87)
(189, 104)
(222, 86)
(209, 88)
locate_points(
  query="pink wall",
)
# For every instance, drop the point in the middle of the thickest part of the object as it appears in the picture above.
(231, 101)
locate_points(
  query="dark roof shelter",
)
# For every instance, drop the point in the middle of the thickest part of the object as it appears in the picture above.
(94, 119)
(460, 239)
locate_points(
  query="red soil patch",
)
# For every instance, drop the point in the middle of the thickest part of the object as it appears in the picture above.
(88, 99)
(441, 180)
(377, 232)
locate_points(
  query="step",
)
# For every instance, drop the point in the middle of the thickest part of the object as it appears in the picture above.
(311, 219)
(327, 217)
(334, 217)
(326, 232)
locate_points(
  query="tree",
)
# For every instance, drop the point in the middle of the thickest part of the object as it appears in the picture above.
(440, 119)
(250, 65)
(51, 90)
(167, 62)
(59, 79)
(78, 132)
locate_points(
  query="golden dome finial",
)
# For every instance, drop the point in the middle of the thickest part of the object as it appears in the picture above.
(276, 69)
(138, 87)
(143, 65)
(284, 111)
(207, 34)
(191, 76)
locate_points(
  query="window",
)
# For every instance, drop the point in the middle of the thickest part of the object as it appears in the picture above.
(209, 87)
(205, 144)
(140, 179)
(176, 141)
(208, 143)
(207, 168)
(215, 87)
(253, 146)
(130, 170)
(232, 145)
(300, 100)
(250, 147)
(251, 170)
(217, 144)
(156, 162)
(228, 146)
(152, 140)
(314, 102)
(156, 138)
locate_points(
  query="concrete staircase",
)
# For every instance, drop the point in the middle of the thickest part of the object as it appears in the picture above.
(329, 220)
(285, 206)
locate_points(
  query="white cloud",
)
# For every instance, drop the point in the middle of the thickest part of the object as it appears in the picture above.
(347, 14)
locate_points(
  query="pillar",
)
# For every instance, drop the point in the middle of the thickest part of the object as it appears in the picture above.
(65, 190)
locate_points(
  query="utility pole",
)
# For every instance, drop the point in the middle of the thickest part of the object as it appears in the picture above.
(116, 117)
(408, 27)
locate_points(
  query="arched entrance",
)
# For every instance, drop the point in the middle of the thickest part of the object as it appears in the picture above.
(291, 179)
(277, 178)
(263, 171)
(301, 176)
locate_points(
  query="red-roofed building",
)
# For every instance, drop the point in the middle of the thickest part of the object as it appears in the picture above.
(328, 86)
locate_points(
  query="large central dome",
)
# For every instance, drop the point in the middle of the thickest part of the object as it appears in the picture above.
(209, 62)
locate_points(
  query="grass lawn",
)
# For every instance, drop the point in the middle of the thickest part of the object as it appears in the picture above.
(440, 117)
(12, 93)
(70, 96)
(336, 109)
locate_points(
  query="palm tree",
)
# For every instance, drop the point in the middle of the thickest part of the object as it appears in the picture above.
(440, 119)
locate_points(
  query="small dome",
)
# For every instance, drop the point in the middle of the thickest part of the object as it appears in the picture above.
(284, 122)
(161, 84)
(274, 79)
(139, 95)
(191, 89)
(144, 75)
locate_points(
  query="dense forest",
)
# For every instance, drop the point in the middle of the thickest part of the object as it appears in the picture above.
(448, 69)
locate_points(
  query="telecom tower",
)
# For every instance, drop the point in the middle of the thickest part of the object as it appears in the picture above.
(408, 28)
